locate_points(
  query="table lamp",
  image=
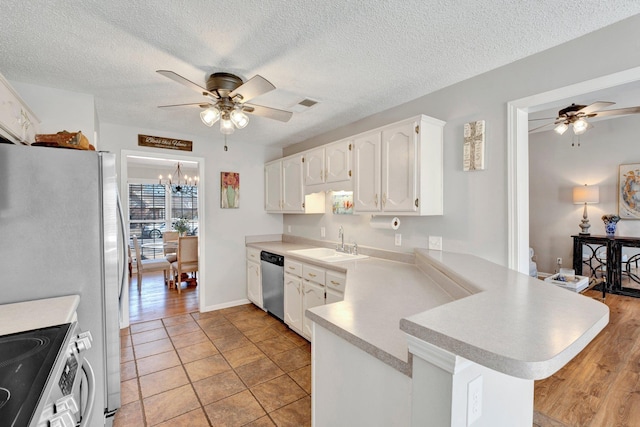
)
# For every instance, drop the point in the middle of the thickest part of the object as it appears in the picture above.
(585, 194)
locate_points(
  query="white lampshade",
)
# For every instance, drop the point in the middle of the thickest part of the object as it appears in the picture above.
(239, 118)
(226, 126)
(586, 194)
(580, 126)
(561, 128)
(210, 116)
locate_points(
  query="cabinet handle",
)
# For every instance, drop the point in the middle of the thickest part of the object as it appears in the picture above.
(333, 282)
(312, 275)
(384, 199)
(291, 268)
(375, 200)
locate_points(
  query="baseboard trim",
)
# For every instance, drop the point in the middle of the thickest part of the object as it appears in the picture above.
(226, 305)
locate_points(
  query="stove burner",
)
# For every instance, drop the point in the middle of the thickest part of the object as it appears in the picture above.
(17, 349)
(5, 395)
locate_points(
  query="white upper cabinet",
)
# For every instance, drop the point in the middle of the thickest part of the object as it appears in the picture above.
(283, 188)
(329, 164)
(366, 166)
(398, 168)
(17, 121)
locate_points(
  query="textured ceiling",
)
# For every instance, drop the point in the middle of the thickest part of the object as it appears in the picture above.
(355, 57)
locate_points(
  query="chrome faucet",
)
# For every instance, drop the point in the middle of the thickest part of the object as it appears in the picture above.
(341, 237)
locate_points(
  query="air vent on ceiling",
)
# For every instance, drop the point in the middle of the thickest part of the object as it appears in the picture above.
(303, 105)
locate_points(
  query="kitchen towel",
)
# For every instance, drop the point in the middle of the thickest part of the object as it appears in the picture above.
(385, 222)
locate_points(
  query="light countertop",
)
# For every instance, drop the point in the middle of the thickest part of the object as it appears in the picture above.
(28, 315)
(484, 312)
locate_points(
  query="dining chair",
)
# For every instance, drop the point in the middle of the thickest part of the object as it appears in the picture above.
(187, 261)
(148, 265)
(170, 252)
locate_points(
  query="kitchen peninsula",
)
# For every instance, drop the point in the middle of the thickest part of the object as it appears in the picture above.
(414, 340)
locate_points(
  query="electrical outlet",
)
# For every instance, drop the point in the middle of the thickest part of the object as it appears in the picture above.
(323, 232)
(435, 243)
(288, 228)
(474, 400)
(398, 239)
(559, 261)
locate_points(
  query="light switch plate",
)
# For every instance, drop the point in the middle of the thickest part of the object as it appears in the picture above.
(288, 229)
(398, 239)
(474, 400)
(435, 243)
(323, 232)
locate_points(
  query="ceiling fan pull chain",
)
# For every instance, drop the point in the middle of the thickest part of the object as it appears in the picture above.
(225, 143)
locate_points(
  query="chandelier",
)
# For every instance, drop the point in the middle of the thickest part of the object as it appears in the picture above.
(179, 182)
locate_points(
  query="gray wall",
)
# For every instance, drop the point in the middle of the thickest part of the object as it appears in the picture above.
(475, 203)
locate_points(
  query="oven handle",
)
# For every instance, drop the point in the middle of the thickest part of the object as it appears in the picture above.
(91, 397)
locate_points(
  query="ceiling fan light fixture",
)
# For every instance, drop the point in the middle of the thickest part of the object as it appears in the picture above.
(580, 126)
(210, 116)
(561, 128)
(239, 118)
(226, 126)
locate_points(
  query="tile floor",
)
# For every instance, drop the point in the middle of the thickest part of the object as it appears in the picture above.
(233, 367)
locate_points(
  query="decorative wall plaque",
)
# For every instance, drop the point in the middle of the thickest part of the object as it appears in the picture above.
(473, 146)
(161, 142)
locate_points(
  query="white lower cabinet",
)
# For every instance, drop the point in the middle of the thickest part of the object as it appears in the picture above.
(312, 296)
(307, 286)
(254, 277)
(293, 302)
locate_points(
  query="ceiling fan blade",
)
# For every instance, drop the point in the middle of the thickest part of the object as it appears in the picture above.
(540, 127)
(192, 104)
(595, 107)
(543, 118)
(271, 113)
(186, 82)
(618, 112)
(255, 86)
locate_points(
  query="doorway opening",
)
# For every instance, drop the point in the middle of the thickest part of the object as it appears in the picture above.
(518, 155)
(153, 207)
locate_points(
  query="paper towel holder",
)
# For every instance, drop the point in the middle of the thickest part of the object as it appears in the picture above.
(387, 222)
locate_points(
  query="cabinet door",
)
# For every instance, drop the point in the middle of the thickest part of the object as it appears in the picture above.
(314, 172)
(338, 161)
(313, 296)
(399, 179)
(293, 301)
(366, 168)
(292, 193)
(272, 186)
(254, 283)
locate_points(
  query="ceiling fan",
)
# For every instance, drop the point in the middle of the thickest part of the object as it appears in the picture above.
(226, 100)
(576, 116)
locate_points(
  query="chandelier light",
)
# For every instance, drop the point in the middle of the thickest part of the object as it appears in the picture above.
(179, 182)
(210, 116)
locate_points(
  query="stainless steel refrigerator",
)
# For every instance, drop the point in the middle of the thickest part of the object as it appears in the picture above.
(61, 233)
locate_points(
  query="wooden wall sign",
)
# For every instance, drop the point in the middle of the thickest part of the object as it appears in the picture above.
(168, 143)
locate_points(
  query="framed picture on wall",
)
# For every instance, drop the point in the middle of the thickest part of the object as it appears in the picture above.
(629, 191)
(229, 190)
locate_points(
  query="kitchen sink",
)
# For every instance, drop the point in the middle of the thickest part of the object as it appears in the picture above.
(326, 254)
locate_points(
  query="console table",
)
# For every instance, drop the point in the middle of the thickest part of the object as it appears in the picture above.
(612, 247)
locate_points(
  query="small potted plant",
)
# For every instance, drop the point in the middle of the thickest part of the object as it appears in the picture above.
(181, 226)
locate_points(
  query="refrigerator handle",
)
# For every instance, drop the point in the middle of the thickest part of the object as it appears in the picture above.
(125, 252)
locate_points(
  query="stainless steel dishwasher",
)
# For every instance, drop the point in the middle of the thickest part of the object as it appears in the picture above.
(272, 266)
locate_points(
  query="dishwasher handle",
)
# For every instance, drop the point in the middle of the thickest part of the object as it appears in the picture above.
(272, 258)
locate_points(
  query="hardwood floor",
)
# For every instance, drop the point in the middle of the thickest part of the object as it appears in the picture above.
(601, 386)
(157, 301)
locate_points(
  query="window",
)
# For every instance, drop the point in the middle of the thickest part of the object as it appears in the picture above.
(149, 206)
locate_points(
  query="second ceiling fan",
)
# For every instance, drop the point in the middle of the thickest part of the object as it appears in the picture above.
(576, 116)
(226, 100)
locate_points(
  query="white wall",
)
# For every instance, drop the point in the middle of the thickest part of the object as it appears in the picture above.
(475, 203)
(226, 229)
(555, 167)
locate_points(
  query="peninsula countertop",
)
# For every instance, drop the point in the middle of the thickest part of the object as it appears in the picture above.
(486, 313)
